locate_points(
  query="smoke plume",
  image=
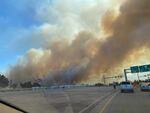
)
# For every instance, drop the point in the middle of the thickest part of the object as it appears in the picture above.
(87, 55)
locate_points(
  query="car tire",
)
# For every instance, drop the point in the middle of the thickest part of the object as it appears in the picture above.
(132, 91)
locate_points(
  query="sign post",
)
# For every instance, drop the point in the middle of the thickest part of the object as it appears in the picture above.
(138, 76)
(125, 74)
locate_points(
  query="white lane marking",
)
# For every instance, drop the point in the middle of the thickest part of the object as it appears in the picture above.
(97, 100)
(106, 104)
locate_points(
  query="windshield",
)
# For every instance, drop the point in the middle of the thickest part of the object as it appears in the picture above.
(75, 56)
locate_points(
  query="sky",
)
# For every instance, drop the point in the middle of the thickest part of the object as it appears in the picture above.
(20, 19)
(17, 20)
(15, 17)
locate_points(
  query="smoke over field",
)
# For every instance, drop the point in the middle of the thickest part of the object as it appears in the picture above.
(125, 35)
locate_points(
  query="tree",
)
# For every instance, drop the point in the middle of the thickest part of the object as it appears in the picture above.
(3, 81)
(29, 84)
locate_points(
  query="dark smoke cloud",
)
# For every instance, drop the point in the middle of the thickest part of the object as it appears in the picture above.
(87, 55)
(129, 32)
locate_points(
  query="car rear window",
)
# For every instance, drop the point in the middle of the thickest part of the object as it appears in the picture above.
(125, 83)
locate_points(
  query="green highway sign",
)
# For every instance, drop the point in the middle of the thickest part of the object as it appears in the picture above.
(144, 68)
(134, 69)
(137, 69)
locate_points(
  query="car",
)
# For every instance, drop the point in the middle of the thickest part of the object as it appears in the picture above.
(145, 86)
(126, 87)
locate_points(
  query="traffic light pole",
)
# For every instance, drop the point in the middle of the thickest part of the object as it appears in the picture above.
(110, 77)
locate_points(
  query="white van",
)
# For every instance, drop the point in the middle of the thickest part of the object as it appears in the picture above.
(126, 87)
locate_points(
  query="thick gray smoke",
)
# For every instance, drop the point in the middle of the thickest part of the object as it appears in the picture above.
(87, 55)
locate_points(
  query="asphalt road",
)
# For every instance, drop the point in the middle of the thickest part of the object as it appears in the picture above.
(68, 100)
(138, 102)
(80, 100)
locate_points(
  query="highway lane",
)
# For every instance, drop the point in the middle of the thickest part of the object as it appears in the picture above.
(137, 102)
(80, 100)
(68, 100)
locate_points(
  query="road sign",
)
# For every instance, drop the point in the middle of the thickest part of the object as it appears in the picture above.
(144, 68)
(137, 69)
(134, 69)
(148, 67)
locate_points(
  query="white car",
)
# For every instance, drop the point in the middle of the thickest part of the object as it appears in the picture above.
(126, 87)
(145, 86)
